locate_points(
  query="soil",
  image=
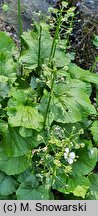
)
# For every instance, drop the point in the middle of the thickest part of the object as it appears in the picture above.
(85, 27)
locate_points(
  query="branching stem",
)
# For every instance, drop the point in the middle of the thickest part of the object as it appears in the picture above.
(52, 55)
(56, 37)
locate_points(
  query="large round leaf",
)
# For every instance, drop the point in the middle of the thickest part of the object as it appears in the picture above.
(94, 130)
(7, 185)
(26, 116)
(19, 141)
(30, 190)
(84, 75)
(8, 67)
(93, 190)
(31, 56)
(86, 161)
(13, 166)
(39, 193)
(71, 184)
(70, 102)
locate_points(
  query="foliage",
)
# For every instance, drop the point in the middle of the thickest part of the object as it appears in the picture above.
(48, 123)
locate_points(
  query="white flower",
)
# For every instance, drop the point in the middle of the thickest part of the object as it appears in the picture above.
(67, 150)
(70, 160)
(72, 155)
(65, 155)
(69, 156)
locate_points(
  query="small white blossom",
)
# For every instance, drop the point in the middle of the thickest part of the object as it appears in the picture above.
(67, 150)
(72, 155)
(69, 156)
(65, 155)
(70, 160)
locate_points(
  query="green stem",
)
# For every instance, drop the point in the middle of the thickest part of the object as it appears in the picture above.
(49, 101)
(53, 175)
(68, 36)
(52, 54)
(20, 24)
(94, 65)
(56, 37)
(20, 31)
(39, 50)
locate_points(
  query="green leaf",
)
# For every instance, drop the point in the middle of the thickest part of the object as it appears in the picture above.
(86, 161)
(30, 180)
(19, 97)
(25, 132)
(39, 193)
(19, 141)
(15, 145)
(6, 43)
(26, 116)
(61, 59)
(60, 181)
(8, 67)
(94, 130)
(71, 184)
(84, 75)
(77, 186)
(29, 190)
(22, 111)
(95, 41)
(13, 165)
(74, 100)
(7, 184)
(93, 191)
(23, 176)
(4, 87)
(69, 102)
(30, 56)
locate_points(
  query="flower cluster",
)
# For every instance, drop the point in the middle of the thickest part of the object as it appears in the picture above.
(69, 156)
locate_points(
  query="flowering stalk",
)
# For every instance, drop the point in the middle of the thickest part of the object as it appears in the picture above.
(56, 37)
(20, 23)
(39, 51)
(51, 57)
(20, 31)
